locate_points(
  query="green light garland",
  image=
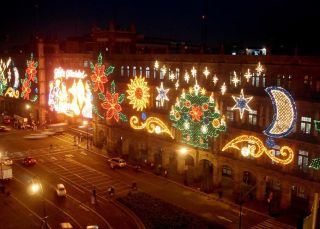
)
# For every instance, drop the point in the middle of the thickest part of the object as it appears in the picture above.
(317, 125)
(315, 163)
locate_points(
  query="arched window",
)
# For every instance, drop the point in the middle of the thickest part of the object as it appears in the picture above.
(147, 72)
(128, 71)
(122, 70)
(134, 71)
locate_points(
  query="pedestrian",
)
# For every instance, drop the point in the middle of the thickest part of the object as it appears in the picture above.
(165, 173)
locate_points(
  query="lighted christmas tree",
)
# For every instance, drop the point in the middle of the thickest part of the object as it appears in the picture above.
(197, 117)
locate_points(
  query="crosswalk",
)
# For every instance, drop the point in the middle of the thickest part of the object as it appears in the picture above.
(272, 224)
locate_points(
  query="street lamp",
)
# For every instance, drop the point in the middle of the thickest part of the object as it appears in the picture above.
(183, 151)
(35, 188)
(85, 123)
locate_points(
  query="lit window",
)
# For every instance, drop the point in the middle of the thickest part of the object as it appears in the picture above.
(303, 160)
(141, 72)
(252, 118)
(85, 63)
(177, 73)
(155, 73)
(257, 81)
(306, 125)
(128, 71)
(122, 70)
(158, 104)
(263, 81)
(162, 75)
(226, 171)
(147, 72)
(230, 114)
(134, 71)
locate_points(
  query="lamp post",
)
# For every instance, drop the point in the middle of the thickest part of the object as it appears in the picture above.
(1, 166)
(36, 187)
(85, 123)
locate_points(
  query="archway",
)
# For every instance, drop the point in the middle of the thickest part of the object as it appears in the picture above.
(189, 173)
(300, 200)
(248, 184)
(273, 195)
(206, 176)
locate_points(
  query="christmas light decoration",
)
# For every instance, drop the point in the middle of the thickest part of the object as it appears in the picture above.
(187, 77)
(152, 125)
(193, 72)
(100, 74)
(164, 70)
(162, 94)
(206, 72)
(235, 79)
(3, 80)
(223, 88)
(215, 80)
(30, 82)
(285, 113)
(172, 76)
(197, 117)
(26, 84)
(241, 103)
(156, 65)
(256, 148)
(315, 164)
(111, 103)
(138, 93)
(317, 125)
(12, 93)
(259, 69)
(248, 75)
(176, 85)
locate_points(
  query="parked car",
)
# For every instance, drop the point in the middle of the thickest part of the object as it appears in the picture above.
(7, 120)
(117, 162)
(61, 190)
(28, 161)
(65, 225)
(92, 227)
(6, 161)
(4, 129)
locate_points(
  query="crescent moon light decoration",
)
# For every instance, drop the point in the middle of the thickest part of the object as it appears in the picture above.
(285, 113)
(256, 149)
(152, 124)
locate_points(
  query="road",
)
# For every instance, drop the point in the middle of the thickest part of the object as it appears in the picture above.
(81, 171)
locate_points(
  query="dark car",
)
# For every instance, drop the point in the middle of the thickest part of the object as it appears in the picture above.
(4, 129)
(28, 161)
(7, 120)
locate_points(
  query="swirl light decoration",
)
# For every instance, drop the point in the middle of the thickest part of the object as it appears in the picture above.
(138, 93)
(152, 125)
(256, 148)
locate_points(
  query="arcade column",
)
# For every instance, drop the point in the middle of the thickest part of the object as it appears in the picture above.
(42, 81)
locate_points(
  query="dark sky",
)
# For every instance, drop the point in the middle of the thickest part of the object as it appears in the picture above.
(250, 22)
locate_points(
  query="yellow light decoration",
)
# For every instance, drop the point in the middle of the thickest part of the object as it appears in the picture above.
(11, 92)
(215, 80)
(258, 149)
(172, 76)
(223, 88)
(152, 125)
(259, 69)
(177, 85)
(156, 65)
(164, 70)
(193, 72)
(186, 77)
(138, 93)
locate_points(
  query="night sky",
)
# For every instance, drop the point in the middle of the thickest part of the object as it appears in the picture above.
(249, 22)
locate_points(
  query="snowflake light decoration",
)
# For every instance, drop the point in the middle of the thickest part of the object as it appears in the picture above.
(177, 85)
(172, 76)
(162, 94)
(164, 70)
(215, 80)
(138, 93)
(259, 69)
(193, 72)
(248, 75)
(223, 88)
(206, 72)
(187, 77)
(235, 79)
(241, 103)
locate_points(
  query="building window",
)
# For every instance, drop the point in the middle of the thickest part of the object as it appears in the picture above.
(275, 152)
(230, 114)
(147, 72)
(86, 64)
(128, 71)
(278, 81)
(177, 73)
(257, 81)
(299, 192)
(263, 81)
(155, 73)
(141, 72)
(303, 160)
(134, 71)
(306, 125)
(158, 104)
(252, 118)
(122, 70)
(162, 75)
(226, 171)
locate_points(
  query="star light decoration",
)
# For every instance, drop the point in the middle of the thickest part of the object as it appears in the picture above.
(197, 117)
(162, 94)
(223, 88)
(256, 148)
(235, 79)
(241, 103)
(193, 72)
(206, 72)
(259, 69)
(187, 77)
(215, 80)
(248, 75)
(138, 93)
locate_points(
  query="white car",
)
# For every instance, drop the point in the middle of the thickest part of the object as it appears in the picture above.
(117, 162)
(61, 190)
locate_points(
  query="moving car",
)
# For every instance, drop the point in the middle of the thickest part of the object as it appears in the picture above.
(61, 190)
(117, 162)
(92, 227)
(28, 161)
(7, 120)
(65, 225)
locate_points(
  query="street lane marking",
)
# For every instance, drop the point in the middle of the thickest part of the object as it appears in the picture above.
(83, 153)
(69, 155)
(83, 207)
(75, 187)
(224, 218)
